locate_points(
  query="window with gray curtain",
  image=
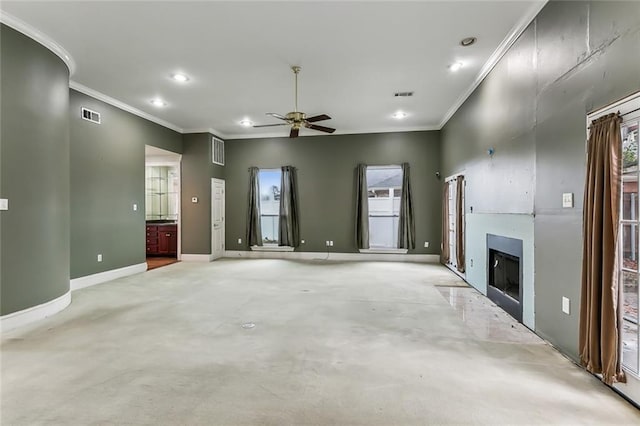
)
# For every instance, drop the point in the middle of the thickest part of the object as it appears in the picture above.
(406, 225)
(289, 229)
(254, 232)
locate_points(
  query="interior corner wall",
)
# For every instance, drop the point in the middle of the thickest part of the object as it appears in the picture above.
(107, 178)
(326, 167)
(34, 173)
(575, 57)
(197, 171)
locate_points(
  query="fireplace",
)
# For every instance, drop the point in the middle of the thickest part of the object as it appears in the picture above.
(504, 273)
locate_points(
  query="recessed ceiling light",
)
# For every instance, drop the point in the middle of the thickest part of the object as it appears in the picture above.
(456, 66)
(179, 77)
(399, 115)
(246, 123)
(467, 41)
(158, 102)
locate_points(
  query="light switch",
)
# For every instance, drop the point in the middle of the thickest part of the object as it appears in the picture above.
(194, 199)
(566, 305)
(567, 200)
(4, 204)
(239, 240)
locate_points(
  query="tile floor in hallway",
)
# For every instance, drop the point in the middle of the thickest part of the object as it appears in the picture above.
(367, 343)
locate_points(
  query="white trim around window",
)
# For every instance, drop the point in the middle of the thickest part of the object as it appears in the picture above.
(271, 248)
(384, 251)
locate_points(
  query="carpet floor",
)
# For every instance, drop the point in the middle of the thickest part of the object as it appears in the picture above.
(275, 342)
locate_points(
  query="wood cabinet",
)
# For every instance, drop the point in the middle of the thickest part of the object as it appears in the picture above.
(162, 239)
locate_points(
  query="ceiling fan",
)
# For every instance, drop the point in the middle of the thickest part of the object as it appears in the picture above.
(297, 119)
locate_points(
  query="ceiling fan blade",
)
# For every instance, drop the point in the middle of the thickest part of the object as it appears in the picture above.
(320, 128)
(294, 132)
(276, 115)
(271, 125)
(320, 117)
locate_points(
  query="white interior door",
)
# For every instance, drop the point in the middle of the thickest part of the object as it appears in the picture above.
(217, 218)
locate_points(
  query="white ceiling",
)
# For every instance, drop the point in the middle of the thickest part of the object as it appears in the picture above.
(354, 56)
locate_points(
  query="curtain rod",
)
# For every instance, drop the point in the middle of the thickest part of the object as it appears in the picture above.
(630, 112)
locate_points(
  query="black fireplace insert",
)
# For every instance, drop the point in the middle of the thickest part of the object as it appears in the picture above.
(504, 273)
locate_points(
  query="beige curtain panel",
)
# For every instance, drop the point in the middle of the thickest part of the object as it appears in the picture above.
(460, 223)
(444, 252)
(599, 339)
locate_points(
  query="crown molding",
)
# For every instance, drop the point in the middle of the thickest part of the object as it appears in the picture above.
(211, 130)
(37, 35)
(125, 107)
(495, 57)
(337, 132)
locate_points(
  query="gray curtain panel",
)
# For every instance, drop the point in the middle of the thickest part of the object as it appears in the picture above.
(254, 231)
(289, 229)
(362, 208)
(406, 225)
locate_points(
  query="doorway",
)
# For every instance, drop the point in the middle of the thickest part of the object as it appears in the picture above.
(162, 207)
(456, 223)
(217, 218)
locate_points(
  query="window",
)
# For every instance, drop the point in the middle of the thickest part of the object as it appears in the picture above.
(269, 204)
(629, 224)
(384, 186)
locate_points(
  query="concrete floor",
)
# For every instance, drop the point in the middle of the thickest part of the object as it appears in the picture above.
(333, 344)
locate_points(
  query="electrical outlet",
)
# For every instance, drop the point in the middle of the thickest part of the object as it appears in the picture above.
(567, 200)
(99, 258)
(239, 240)
(194, 199)
(135, 207)
(566, 305)
(331, 243)
(301, 241)
(426, 244)
(326, 243)
(4, 204)
(471, 262)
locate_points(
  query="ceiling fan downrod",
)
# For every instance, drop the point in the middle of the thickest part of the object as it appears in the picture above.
(296, 69)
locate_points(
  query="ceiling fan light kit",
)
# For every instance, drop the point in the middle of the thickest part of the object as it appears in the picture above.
(298, 119)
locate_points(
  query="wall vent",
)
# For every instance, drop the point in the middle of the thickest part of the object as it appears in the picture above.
(217, 151)
(91, 116)
(403, 94)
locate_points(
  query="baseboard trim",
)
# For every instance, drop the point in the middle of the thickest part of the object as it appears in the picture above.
(102, 277)
(196, 257)
(27, 316)
(358, 257)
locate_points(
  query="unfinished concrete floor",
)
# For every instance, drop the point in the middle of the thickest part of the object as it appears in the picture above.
(333, 344)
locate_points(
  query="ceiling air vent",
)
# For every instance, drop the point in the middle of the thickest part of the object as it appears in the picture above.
(217, 151)
(91, 116)
(403, 94)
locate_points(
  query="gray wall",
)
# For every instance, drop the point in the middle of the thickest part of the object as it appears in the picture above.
(197, 172)
(107, 178)
(34, 173)
(326, 167)
(575, 57)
